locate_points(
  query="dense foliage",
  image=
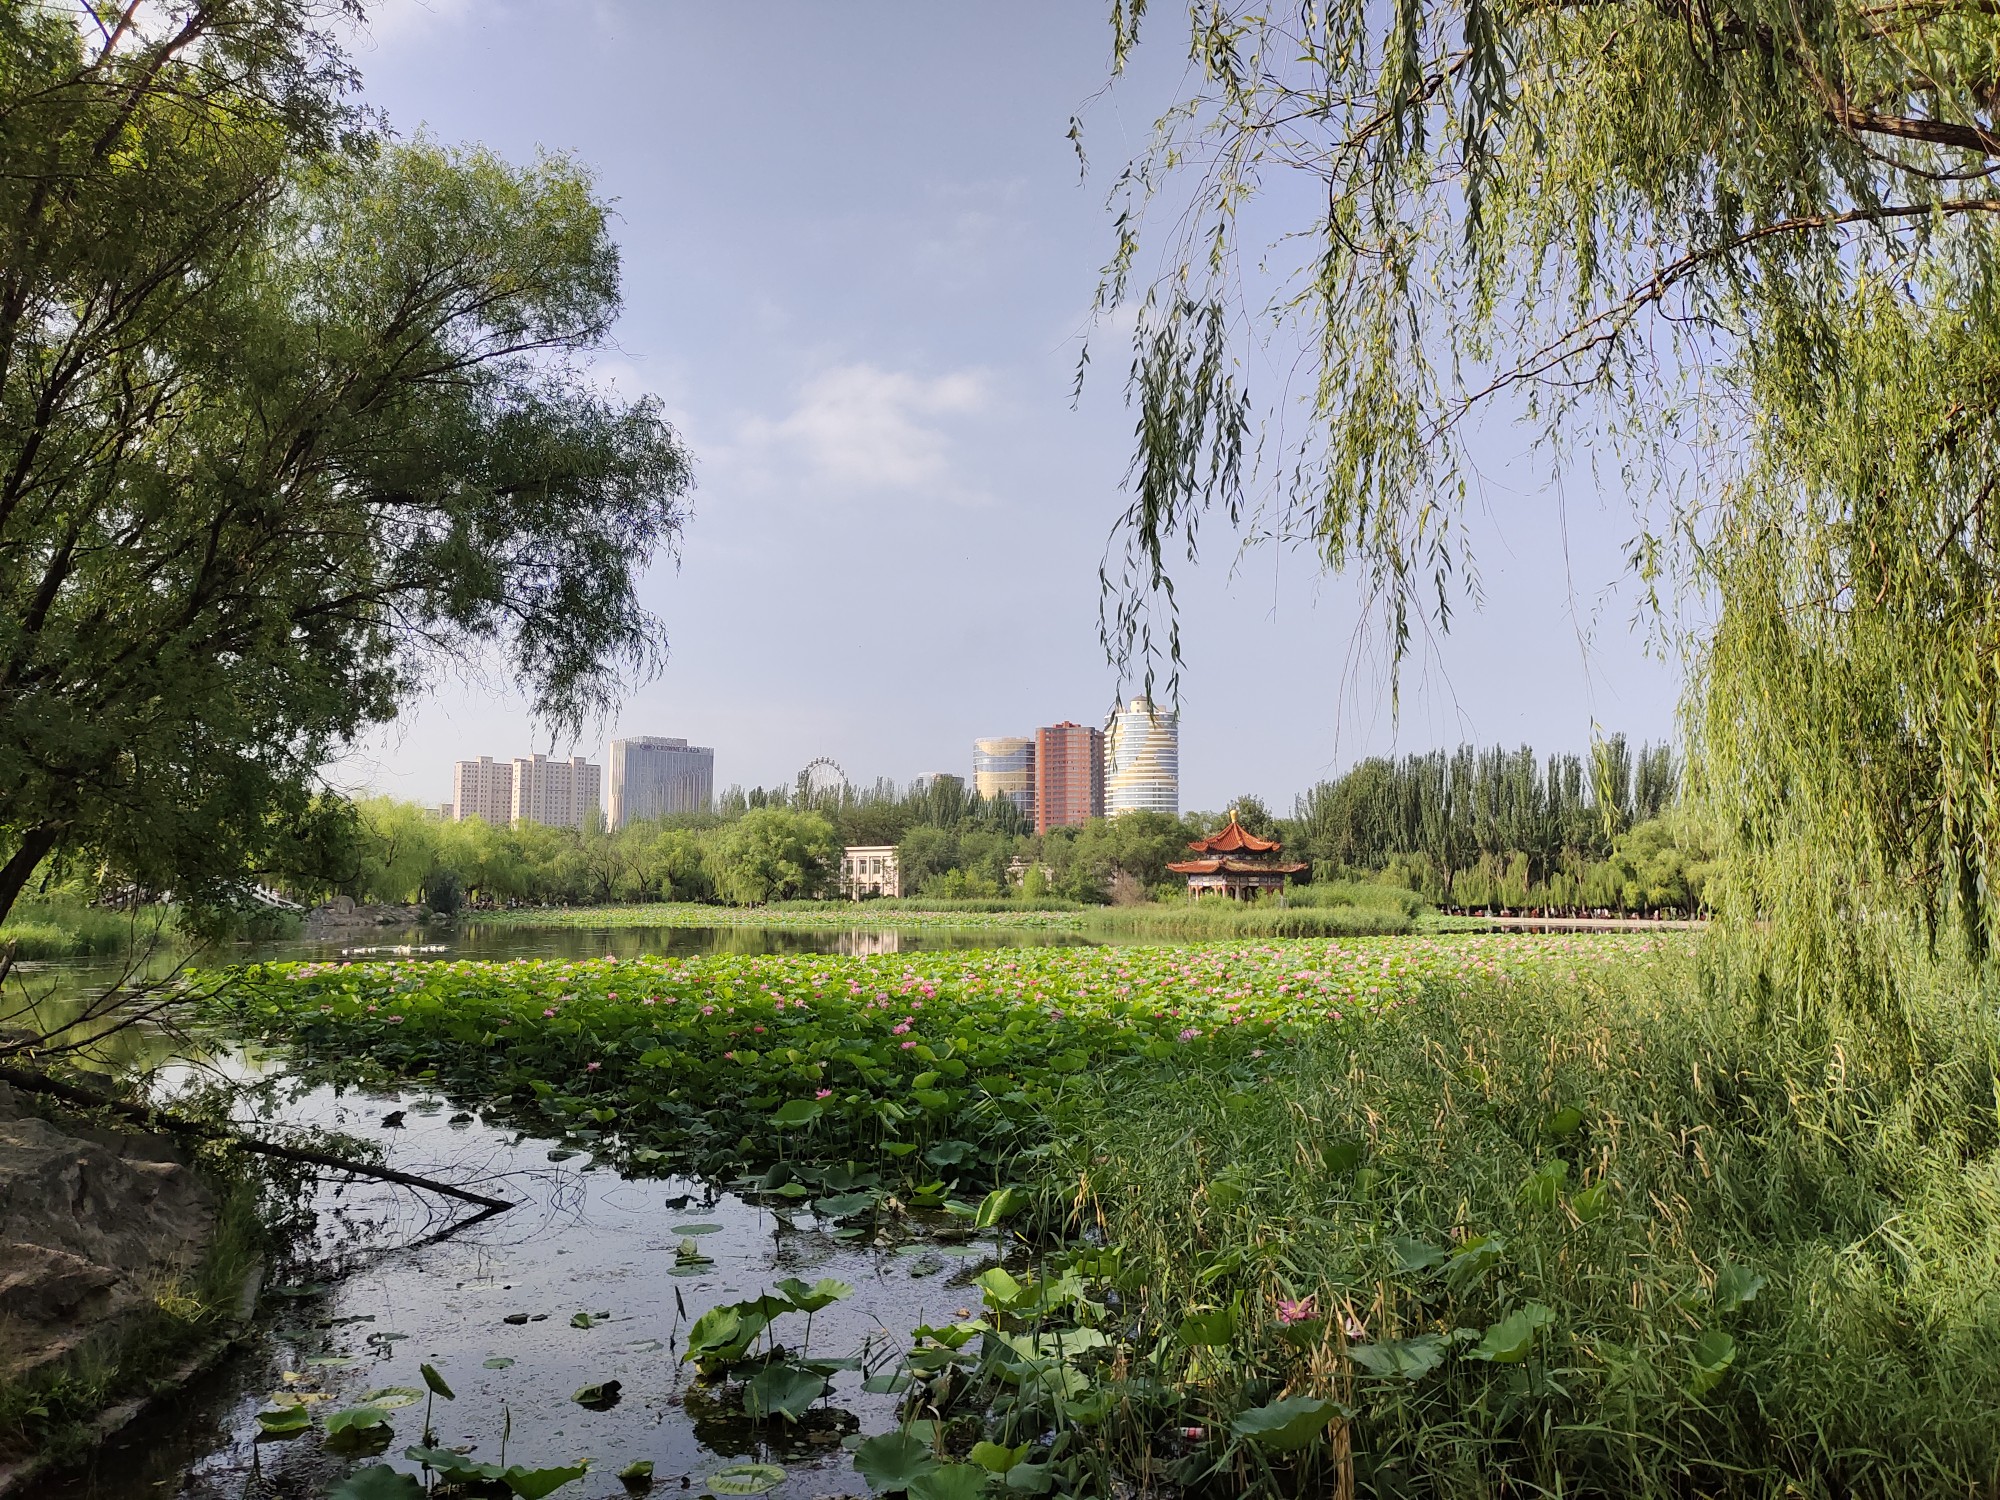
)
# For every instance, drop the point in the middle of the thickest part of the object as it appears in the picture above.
(287, 410)
(1502, 828)
(1749, 249)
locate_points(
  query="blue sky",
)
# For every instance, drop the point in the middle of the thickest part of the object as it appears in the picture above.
(858, 261)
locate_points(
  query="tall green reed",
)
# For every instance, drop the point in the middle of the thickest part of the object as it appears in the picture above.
(1750, 1257)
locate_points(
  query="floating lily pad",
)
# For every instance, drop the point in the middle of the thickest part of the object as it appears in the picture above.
(745, 1479)
(389, 1397)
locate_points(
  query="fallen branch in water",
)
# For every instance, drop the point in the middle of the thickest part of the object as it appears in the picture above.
(55, 1088)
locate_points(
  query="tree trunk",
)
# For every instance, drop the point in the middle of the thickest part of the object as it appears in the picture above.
(36, 846)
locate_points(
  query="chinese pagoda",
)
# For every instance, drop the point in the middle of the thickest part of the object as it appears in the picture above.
(1235, 864)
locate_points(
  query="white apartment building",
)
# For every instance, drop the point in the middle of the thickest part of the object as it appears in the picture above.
(870, 870)
(653, 777)
(556, 793)
(483, 788)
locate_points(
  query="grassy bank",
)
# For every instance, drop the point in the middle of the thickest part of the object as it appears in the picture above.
(42, 929)
(1605, 1235)
(70, 929)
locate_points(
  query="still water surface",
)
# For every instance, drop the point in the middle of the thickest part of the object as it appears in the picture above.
(583, 1240)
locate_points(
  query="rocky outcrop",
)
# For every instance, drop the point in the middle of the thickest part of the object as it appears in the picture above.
(341, 917)
(95, 1227)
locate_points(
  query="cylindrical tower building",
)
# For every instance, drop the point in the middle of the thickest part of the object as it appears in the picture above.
(1005, 767)
(1142, 760)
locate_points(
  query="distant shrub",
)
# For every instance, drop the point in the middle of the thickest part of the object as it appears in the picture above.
(940, 903)
(1366, 894)
(1214, 920)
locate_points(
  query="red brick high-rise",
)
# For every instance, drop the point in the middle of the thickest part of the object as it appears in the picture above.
(1069, 775)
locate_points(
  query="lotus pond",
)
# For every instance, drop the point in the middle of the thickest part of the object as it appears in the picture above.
(940, 1068)
(881, 1121)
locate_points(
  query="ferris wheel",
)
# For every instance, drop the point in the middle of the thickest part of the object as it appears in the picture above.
(822, 779)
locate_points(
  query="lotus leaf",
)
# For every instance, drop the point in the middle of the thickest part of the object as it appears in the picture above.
(1289, 1424)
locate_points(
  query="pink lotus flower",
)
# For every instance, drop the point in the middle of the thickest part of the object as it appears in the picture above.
(547, 1013)
(908, 1045)
(592, 1067)
(823, 1094)
(1295, 1312)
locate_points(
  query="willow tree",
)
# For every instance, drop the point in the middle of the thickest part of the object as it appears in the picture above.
(1742, 252)
(289, 411)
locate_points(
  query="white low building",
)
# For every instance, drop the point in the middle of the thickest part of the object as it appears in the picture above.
(870, 870)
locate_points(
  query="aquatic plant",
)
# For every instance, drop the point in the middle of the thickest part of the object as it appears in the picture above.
(941, 1068)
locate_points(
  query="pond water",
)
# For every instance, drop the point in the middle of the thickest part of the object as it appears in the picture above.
(405, 1288)
(495, 1309)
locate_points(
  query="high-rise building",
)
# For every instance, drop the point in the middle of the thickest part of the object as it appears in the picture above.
(483, 788)
(658, 778)
(1005, 767)
(1069, 775)
(1142, 760)
(556, 793)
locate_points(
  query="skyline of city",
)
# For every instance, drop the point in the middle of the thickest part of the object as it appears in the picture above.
(1129, 765)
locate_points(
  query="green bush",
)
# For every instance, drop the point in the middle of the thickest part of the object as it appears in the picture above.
(1359, 893)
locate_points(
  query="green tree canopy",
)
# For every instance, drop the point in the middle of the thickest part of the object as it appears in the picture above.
(1748, 249)
(775, 854)
(288, 411)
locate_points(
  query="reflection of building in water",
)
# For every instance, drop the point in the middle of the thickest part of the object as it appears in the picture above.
(868, 944)
(1142, 760)
(1005, 767)
(653, 777)
(870, 870)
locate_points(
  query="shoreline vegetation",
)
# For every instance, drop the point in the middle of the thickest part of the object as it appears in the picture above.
(43, 930)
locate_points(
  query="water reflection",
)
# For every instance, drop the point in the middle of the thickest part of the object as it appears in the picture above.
(496, 1308)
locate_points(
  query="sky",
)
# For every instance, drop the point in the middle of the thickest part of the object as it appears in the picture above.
(859, 257)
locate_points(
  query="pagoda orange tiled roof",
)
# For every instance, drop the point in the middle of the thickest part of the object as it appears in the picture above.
(1232, 867)
(1233, 838)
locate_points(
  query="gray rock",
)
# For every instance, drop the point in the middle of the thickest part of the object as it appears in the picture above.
(91, 1234)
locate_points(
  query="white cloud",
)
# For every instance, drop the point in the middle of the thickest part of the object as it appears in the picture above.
(392, 25)
(857, 427)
